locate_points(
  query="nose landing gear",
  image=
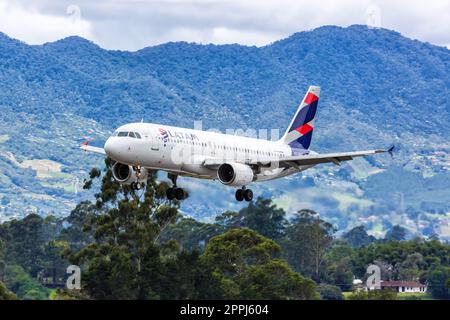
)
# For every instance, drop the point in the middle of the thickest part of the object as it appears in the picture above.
(244, 194)
(138, 185)
(175, 192)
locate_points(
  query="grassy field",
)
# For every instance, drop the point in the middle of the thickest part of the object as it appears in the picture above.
(346, 294)
(415, 296)
(403, 296)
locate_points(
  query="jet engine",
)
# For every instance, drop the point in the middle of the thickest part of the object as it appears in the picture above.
(235, 174)
(125, 174)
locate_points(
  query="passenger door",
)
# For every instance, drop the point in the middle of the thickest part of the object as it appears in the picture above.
(155, 143)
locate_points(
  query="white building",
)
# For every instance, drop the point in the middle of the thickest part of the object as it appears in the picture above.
(404, 286)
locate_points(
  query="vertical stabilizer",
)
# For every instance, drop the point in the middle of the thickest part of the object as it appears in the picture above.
(300, 131)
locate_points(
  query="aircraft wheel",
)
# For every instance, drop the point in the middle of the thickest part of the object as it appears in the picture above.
(170, 194)
(179, 194)
(248, 195)
(138, 185)
(240, 195)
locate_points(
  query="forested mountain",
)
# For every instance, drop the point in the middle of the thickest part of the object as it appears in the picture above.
(378, 88)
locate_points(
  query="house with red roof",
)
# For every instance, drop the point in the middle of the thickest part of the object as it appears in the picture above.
(404, 286)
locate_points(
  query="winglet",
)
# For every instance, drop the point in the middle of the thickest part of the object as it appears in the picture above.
(85, 143)
(391, 150)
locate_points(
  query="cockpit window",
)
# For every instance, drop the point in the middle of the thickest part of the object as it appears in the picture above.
(127, 134)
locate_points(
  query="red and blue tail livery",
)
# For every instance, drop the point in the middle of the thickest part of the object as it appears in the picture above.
(300, 131)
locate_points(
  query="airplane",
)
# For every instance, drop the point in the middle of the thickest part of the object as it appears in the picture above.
(234, 161)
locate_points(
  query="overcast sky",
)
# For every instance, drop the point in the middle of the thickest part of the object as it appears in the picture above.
(134, 24)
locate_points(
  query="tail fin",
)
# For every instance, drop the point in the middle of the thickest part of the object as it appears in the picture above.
(299, 133)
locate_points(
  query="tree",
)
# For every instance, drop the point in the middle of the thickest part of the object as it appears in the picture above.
(392, 255)
(340, 274)
(338, 260)
(23, 285)
(275, 280)
(189, 276)
(78, 232)
(306, 241)
(5, 294)
(134, 254)
(191, 234)
(129, 258)
(329, 292)
(247, 267)
(53, 262)
(125, 242)
(397, 233)
(25, 243)
(438, 280)
(410, 269)
(262, 216)
(358, 237)
(232, 251)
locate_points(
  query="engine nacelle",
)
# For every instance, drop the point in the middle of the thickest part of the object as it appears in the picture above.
(124, 174)
(235, 174)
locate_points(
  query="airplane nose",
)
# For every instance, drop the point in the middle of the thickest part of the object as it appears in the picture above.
(109, 150)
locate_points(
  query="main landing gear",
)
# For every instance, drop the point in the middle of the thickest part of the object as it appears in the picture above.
(244, 194)
(175, 192)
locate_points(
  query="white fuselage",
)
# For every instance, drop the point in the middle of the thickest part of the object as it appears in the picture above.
(186, 151)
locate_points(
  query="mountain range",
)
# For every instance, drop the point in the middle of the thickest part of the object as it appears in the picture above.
(378, 88)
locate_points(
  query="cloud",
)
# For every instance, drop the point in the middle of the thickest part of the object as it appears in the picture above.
(35, 27)
(131, 25)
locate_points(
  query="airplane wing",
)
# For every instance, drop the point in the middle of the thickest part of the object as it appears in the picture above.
(306, 160)
(335, 158)
(89, 148)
